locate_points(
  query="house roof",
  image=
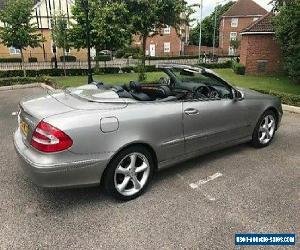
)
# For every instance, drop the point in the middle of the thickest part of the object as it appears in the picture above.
(245, 8)
(262, 25)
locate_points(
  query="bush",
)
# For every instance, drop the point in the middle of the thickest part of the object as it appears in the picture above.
(119, 53)
(224, 65)
(68, 58)
(286, 98)
(11, 60)
(239, 68)
(32, 60)
(128, 69)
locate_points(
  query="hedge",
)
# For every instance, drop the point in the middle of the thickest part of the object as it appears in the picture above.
(224, 65)
(103, 58)
(32, 59)
(11, 60)
(170, 57)
(239, 68)
(24, 80)
(72, 72)
(286, 98)
(68, 58)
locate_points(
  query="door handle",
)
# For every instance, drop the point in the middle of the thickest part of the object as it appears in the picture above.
(191, 111)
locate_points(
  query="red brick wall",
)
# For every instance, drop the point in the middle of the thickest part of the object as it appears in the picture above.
(225, 29)
(261, 48)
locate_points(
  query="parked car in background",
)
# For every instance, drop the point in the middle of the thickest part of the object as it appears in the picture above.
(120, 135)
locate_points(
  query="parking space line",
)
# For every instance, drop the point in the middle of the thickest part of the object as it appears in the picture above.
(208, 179)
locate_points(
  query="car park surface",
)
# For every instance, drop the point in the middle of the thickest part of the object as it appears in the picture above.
(198, 204)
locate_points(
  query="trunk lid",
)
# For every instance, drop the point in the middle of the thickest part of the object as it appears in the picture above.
(36, 108)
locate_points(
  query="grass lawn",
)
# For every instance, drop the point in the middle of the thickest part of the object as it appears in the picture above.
(73, 81)
(275, 83)
(267, 83)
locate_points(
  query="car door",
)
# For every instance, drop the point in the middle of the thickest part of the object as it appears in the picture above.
(209, 123)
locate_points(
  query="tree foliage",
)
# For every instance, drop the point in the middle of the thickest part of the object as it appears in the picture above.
(109, 23)
(18, 30)
(208, 27)
(287, 23)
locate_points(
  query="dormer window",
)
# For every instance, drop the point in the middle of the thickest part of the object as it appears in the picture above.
(234, 22)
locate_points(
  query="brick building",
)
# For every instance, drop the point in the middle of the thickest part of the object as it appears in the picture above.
(168, 43)
(238, 17)
(260, 52)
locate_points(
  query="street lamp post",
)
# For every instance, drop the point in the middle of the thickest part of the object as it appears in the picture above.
(85, 6)
(215, 28)
(200, 32)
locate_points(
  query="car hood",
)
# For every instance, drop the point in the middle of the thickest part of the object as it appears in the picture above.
(249, 93)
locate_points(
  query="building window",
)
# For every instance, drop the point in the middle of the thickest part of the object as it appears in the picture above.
(167, 47)
(255, 19)
(233, 35)
(14, 51)
(67, 50)
(167, 30)
(234, 22)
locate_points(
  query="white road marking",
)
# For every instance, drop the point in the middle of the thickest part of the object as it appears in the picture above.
(208, 179)
(14, 113)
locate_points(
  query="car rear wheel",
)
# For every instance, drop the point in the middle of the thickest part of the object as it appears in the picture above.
(129, 173)
(265, 129)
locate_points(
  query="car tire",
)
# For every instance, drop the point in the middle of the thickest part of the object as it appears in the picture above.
(265, 130)
(129, 173)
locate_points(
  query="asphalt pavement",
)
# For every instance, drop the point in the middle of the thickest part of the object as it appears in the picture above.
(199, 204)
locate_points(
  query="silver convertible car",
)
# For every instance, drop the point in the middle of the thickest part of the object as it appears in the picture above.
(120, 135)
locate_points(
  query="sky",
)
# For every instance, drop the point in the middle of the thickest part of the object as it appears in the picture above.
(209, 5)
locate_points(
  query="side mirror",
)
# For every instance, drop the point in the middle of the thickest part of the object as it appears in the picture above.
(237, 95)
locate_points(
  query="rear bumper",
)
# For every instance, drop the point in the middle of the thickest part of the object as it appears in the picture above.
(58, 175)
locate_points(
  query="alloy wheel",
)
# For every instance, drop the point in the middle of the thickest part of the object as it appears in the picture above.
(131, 174)
(267, 129)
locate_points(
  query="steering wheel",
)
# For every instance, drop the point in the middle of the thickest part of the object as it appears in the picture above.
(164, 81)
(202, 92)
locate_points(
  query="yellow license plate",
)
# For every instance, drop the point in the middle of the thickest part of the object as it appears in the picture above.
(24, 128)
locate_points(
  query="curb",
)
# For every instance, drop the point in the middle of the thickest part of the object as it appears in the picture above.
(25, 86)
(291, 109)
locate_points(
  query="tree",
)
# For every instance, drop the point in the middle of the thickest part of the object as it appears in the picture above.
(150, 16)
(208, 27)
(60, 35)
(19, 31)
(110, 25)
(287, 23)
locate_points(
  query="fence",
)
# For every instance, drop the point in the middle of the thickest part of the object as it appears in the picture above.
(114, 63)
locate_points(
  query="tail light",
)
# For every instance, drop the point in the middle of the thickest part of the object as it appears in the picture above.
(49, 139)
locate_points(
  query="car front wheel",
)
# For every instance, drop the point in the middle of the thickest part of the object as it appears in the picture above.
(265, 129)
(129, 173)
